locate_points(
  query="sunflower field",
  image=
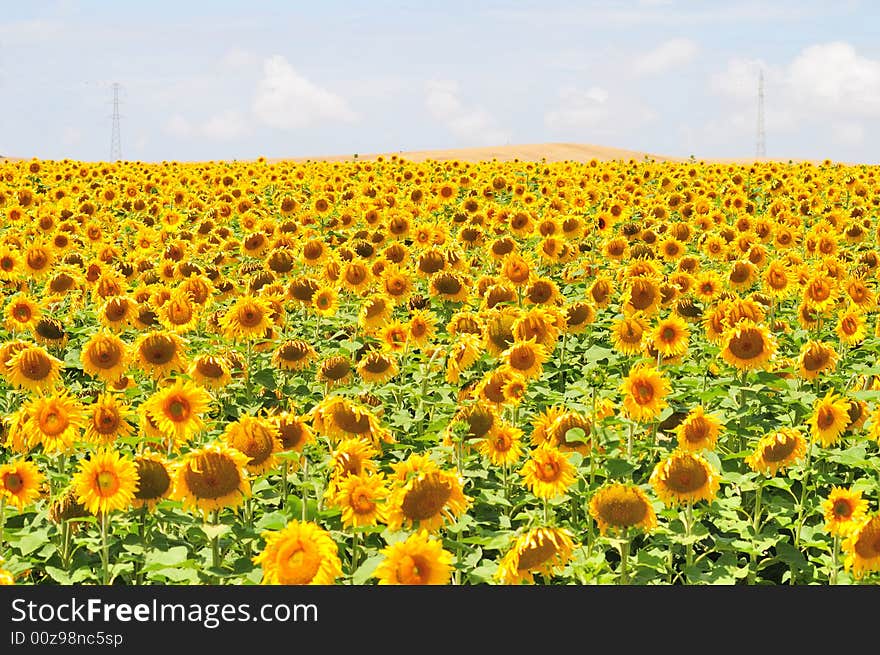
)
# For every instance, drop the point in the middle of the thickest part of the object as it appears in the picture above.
(440, 372)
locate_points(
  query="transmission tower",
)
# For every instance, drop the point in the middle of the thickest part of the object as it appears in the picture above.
(761, 147)
(115, 139)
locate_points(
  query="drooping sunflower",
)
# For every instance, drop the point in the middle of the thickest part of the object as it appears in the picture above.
(424, 496)
(862, 547)
(461, 356)
(154, 479)
(335, 370)
(352, 456)
(294, 432)
(34, 369)
(394, 336)
(294, 355)
(843, 510)
(20, 482)
(375, 311)
(829, 419)
(644, 392)
(211, 371)
(159, 353)
(340, 418)
(851, 327)
(578, 316)
(249, 317)
(179, 313)
(641, 295)
(303, 553)
(627, 333)
(777, 450)
(698, 431)
(542, 550)
(618, 506)
(685, 477)
(815, 358)
(378, 367)
(748, 346)
(212, 477)
(361, 499)
(106, 482)
(177, 409)
(670, 336)
(257, 438)
(107, 420)
(548, 473)
(420, 559)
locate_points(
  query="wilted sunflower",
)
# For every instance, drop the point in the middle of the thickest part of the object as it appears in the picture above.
(257, 438)
(748, 346)
(293, 355)
(247, 318)
(20, 482)
(830, 419)
(34, 369)
(424, 496)
(698, 431)
(525, 358)
(862, 547)
(578, 316)
(461, 356)
(211, 371)
(108, 420)
(159, 353)
(177, 409)
(154, 479)
(644, 393)
(685, 477)
(542, 550)
(335, 370)
(377, 367)
(548, 473)
(212, 477)
(303, 553)
(815, 358)
(777, 450)
(361, 499)
(105, 482)
(617, 507)
(179, 313)
(843, 510)
(340, 418)
(417, 560)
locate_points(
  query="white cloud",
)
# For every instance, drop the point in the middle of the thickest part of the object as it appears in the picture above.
(668, 55)
(578, 109)
(237, 59)
(226, 125)
(474, 126)
(286, 100)
(832, 76)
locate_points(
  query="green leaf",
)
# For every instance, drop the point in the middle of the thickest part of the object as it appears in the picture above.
(174, 556)
(365, 571)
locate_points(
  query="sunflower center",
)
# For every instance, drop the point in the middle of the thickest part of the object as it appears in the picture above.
(825, 418)
(13, 483)
(106, 420)
(177, 409)
(153, 480)
(815, 360)
(106, 483)
(533, 556)
(250, 316)
(412, 569)
(748, 344)
(54, 421)
(867, 545)
(697, 430)
(22, 313)
(781, 448)
(362, 502)
(522, 359)
(668, 334)
(291, 433)
(212, 475)
(548, 471)
(685, 476)
(623, 511)
(842, 509)
(36, 366)
(426, 498)
(159, 350)
(298, 563)
(643, 392)
(351, 421)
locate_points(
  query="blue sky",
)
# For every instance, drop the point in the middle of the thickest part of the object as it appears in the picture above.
(236, 80)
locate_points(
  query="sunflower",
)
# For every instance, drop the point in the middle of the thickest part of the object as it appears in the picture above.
(698, 431)
(340, 418)
(851, 327)
(843, 510)
(618, 506)
(361, 499)
(335, 370)
(303, 553)
(541, 550)
(294, 432)
(154, 479)
(644, 392)
(293, 355)
(105, 482)
(257, 438)
(394, 336)
(830, 419)
(417, 560)
(211, 371)
(816, 357)
(356, 277)
(22, 313)
(548, 473)
(516, 269)
(325, 301)
(352, 456)
(525, 358)
(177, 409)
(20, 482)
(670, 336)
(54, 420)
(212, 477)
(248, 318)
(159, 353)
(422, 326)
(503, 447)
(50, 332)
(641, 295)
(377, 367)
(777, 450)
(627, 333)
(34, 369)
(108, 420)
(180, 313)
(748, 346)
(375, 311)
(685, 477)
(862, 547)
(541, 324)
(424, 496)
(450, 287)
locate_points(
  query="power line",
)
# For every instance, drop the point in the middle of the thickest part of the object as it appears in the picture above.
(115, 138)
(761, 146)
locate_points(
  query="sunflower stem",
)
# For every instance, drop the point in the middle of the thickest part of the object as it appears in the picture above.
(65, 544)
(562, 361)
(355, 539)
(215, 542)
(800, 516)
(835, 556)
(2, 524)
(285, 472)
(305, 487)
(623, 549)
(142, 533)
(689, 544)
(105, 549)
